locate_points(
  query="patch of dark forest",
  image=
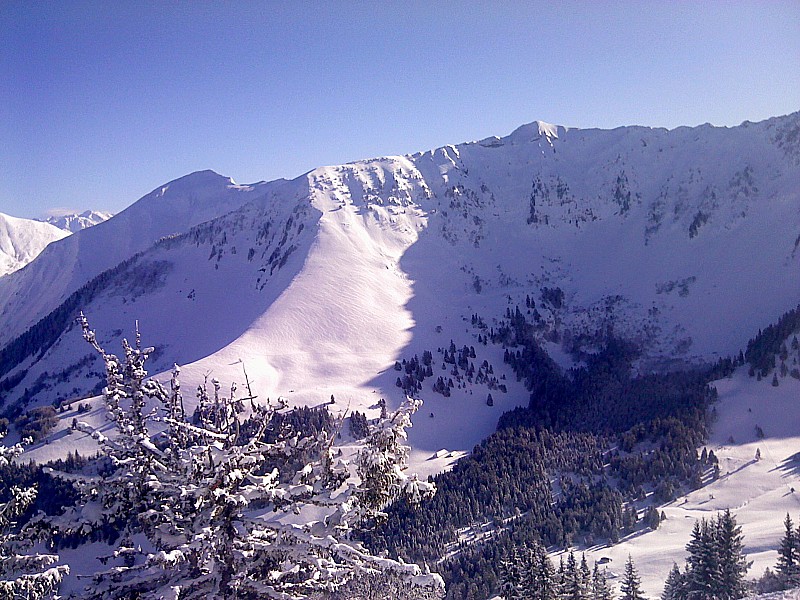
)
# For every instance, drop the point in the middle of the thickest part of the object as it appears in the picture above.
(587, 462)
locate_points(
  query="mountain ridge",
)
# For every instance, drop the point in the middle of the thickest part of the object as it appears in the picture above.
(21, 240)
(74, 222)
(320, 283)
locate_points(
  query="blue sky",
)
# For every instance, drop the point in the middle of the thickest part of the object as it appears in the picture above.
(101, 102)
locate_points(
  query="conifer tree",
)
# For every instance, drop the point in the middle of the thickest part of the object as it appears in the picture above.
(511, 577)
(214, 496)
(600, 588)
(631, 582)
(561, 578)
(732, 562)
(674, 585)
(537, 577)
(574, 588)
(23, 575)
(788, 566)
(716, 564)
(702, 564)
(543, 584)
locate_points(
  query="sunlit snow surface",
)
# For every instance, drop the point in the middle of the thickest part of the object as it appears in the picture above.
(757, 492)
(21, 240)
(683, 240)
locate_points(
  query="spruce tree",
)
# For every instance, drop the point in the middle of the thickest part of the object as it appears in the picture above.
(733, 564)
(716, 564)
(585, 579)
(674, 586)
(702, 564)
(209, 496)
(23, 575)
(630, 586)
(538, 579)
(788, 566)
(573, 588)
(600, 588)
(511, 577)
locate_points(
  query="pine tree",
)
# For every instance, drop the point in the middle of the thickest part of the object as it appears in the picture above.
(652, 518)
(600, 588)
(703, 577)
(560, 578)
(575, 582)
(630, 582)
(511, 577)
(716, 564)
(585, 578)
(538, 577)
(788, 566)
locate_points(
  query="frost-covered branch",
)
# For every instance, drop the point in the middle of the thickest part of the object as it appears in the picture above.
(22, 575)
(231, 504)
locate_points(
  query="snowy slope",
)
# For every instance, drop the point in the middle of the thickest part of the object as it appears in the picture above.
(76, 221)
(683, 240)
(757, 492)
(21, 240)
(27, 296)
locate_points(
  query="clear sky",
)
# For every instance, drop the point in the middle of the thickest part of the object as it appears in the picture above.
(101, 102)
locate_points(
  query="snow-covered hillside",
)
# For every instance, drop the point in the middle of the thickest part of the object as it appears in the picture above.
(76, 221)
(758, 492)
(21, 240)
(685, 241)
(173, 208)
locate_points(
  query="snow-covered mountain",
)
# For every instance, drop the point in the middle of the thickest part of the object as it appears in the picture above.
(170, 209)
(21, 240)
(76, 221)
(684, 241)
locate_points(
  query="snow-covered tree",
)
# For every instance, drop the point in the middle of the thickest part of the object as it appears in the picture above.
(539, 578)
(732, 562)
(23, 575)
(577, 579)
(674, 586)
(527, 573)
(511, 576)
(206, 506)
(702, 564)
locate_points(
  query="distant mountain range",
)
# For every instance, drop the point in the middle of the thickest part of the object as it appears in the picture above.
(21, 240)
(77, 221)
